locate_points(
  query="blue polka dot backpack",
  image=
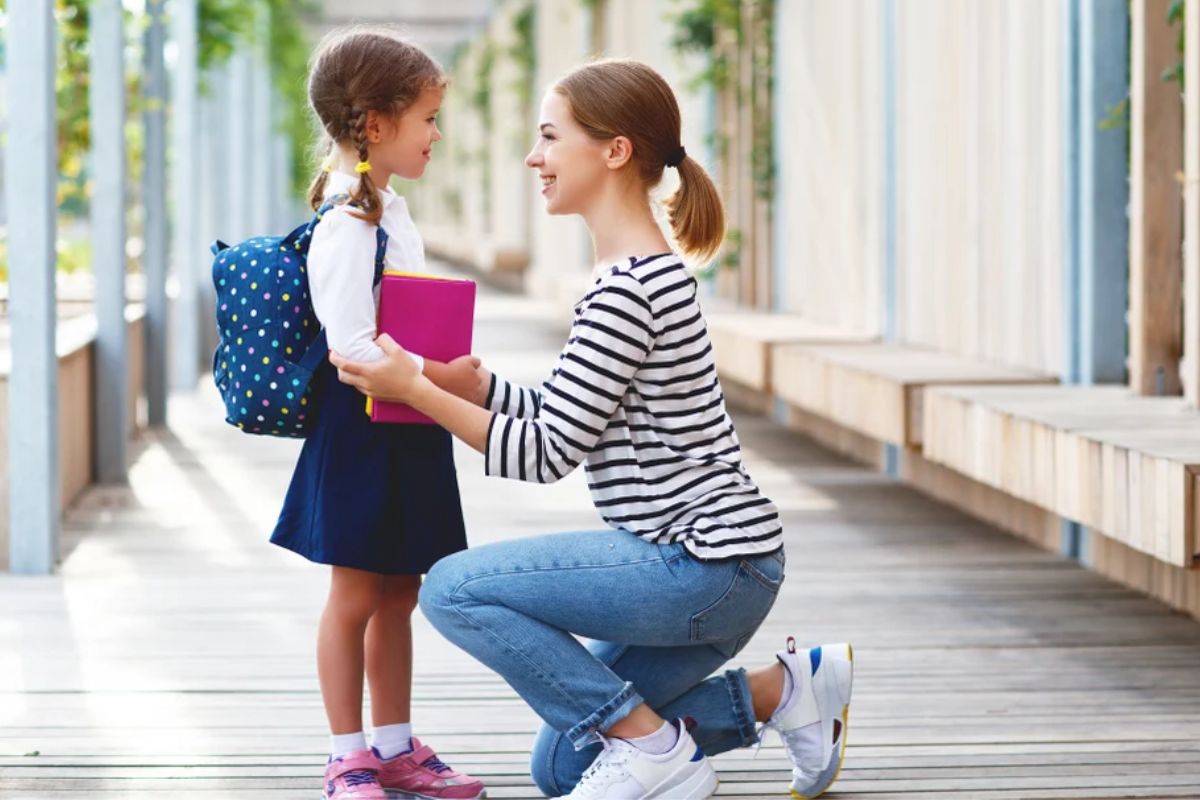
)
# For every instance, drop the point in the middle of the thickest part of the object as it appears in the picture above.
(270, 341)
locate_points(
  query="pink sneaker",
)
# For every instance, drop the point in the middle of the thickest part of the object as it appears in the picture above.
(354, 776)
(420, 774)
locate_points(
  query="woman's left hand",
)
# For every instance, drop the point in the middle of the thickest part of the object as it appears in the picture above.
(393, 378)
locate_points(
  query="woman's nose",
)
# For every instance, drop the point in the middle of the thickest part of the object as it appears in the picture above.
(534, 159)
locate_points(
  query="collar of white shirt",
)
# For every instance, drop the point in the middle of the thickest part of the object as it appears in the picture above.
(344, 183)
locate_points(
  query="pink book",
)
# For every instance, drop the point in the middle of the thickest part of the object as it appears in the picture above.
(432, 316)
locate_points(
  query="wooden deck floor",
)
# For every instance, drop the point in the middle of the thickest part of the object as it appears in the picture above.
(172, 657)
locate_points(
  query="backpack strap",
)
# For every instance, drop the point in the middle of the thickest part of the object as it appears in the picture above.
(381, 236)
(319, 349)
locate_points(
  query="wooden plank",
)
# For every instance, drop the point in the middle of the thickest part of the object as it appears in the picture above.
(743, 340)
(1117, 462)
(1155, 213)
(878, 389)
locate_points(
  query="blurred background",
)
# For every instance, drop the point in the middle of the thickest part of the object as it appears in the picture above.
(959, 298)
(920, 193)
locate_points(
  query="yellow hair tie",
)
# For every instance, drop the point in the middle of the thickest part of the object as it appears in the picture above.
(329, 164)
(362, 166)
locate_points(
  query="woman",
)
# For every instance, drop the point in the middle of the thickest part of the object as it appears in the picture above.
(694, 558)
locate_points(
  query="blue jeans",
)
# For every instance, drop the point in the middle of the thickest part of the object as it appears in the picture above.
(661, 620)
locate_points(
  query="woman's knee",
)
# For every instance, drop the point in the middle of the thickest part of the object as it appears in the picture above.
(436, 594)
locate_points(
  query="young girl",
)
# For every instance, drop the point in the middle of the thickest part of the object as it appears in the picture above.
(693, 560)
(379, 503)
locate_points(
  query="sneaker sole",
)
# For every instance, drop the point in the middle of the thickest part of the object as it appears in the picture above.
(699, 786)
(400, 794)
(833, 692)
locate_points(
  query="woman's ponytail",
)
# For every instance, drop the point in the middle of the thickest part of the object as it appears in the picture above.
(622, 97)
(695, 212)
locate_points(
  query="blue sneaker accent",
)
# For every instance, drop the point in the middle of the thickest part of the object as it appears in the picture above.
(699, 754)
(814, 657)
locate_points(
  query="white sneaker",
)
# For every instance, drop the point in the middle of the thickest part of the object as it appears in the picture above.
(821, 681)
(623, 772)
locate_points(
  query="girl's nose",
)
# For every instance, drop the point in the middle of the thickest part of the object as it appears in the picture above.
(534, 159)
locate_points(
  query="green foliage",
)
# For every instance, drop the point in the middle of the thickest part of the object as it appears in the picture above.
(699, 28)
(1175, 15)
(524, 53)
(71, 85)
(481, 100)
(762, 153)
(289, 48)
(221, 24)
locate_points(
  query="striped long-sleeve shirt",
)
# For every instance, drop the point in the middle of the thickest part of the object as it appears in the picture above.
(635, 394)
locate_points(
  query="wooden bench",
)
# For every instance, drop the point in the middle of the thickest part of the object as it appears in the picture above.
(743, 341)
(878, 389)
(1122, 464)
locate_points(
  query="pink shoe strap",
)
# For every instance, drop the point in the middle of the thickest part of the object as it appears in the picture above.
(359, 759)
(422, 753)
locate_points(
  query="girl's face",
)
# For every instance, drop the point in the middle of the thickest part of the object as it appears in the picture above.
(571, 164)
(404, 146)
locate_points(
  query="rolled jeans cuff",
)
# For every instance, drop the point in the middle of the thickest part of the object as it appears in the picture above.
(743, 710)
(588, 731)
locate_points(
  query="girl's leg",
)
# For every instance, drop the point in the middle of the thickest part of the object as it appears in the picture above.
(389, 651)
(353, 597)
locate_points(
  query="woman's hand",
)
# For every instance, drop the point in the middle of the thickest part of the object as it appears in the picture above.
(393, 378)
(462, 377)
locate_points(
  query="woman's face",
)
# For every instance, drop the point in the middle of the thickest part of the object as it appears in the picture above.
(570, 163)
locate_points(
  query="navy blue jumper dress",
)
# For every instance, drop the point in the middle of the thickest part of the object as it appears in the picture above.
(372, 496)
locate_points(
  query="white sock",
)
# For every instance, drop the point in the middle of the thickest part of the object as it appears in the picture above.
(343, 744)
(789, 688)
(659, 742)
(392, 740)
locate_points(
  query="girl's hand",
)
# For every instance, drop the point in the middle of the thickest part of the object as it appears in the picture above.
(394, 378)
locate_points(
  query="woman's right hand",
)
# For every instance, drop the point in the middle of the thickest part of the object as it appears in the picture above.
(465, 377)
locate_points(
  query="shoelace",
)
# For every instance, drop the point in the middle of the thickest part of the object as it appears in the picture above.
(610, 761)
(436, 764)
(359, 777)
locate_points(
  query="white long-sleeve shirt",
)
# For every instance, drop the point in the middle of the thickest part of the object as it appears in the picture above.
(341, 268)
(635, 397)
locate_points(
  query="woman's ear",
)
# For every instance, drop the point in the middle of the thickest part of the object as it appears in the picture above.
(618, 153)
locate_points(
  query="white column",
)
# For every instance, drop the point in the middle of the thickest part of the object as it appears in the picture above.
(154, 199)
(33, 382)
(210, 193)
(107, 109)
(185, 240)
(239, 111)
(263, 119)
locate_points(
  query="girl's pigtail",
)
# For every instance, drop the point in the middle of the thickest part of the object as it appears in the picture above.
(365, 196)
(316, 189)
